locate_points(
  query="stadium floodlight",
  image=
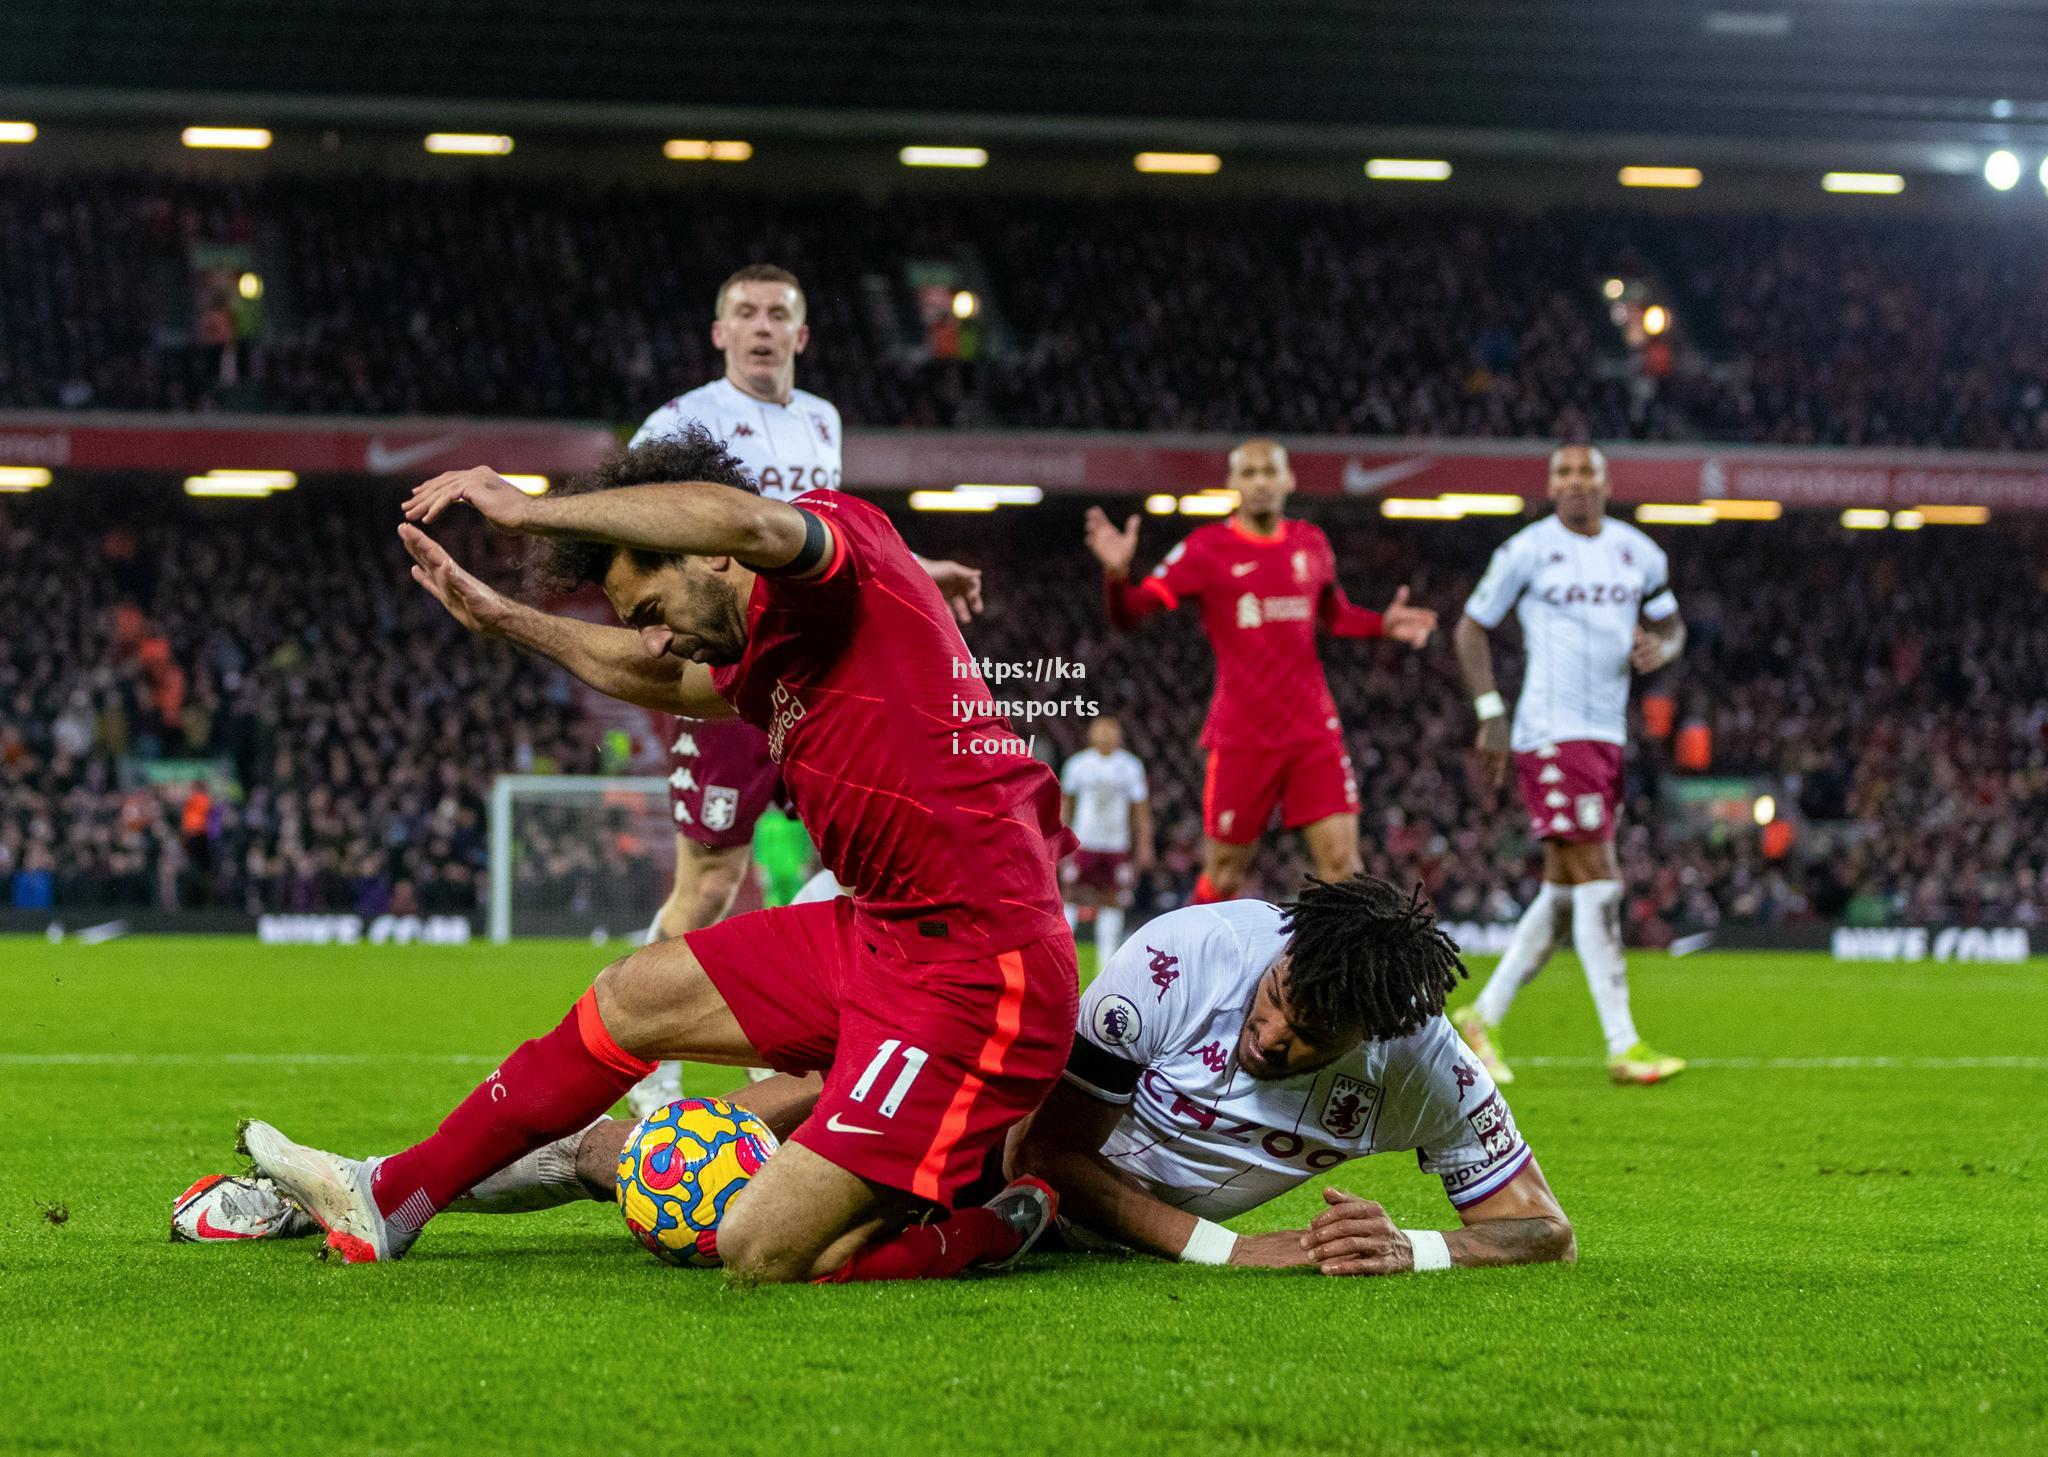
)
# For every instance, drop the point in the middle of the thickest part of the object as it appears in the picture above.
(1874, 183)
(532, 485)
(1193, 164)
(965, 304)
(1411, 508)
(1656, 319)
(468, 144)
(1660, 177)
(232, 138)
(2002, 170)
(1212, 502)
(1485, 503)
(1614, 288)
(1408, 169)
(1907, 521)
(1657, 513)
(1954, 515)
(1726, 509)
(1765, 809)
(1161, 504)
(242, 483)
(17, 131)
(686, 149)
(1006, 495)
(949, 501)
(250, 286)
(1858, 518)
(23, 477)
(943, 156)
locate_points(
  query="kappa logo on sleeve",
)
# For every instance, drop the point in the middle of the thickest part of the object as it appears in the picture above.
(1116, 1020)
(1165, 970)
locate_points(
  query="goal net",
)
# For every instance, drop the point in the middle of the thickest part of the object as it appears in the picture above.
(578, 855)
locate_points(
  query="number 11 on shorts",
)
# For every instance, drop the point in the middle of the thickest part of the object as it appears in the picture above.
(913, 1064)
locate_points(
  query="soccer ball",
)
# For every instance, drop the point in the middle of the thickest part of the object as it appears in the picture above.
(680, 1170)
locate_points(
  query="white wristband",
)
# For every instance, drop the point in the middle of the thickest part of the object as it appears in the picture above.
(1489, 705)
(1431, 1251)
(1210, 1244)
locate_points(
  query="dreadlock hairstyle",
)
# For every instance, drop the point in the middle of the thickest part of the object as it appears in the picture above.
(560, 566)
(1364, 955)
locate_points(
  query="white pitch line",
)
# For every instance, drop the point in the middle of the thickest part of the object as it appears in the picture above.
(1811, 1064)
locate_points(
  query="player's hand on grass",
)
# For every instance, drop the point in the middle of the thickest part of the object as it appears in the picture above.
(1402, 623)
(496, 499)
(959, 585)
(1354, 1236)
(476, 606)
(1280, 1250)
(1492, 747)
(1113, 548)
(1649, 652)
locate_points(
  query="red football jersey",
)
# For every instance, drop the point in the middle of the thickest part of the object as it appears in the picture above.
(922, 799)
(1260, 599)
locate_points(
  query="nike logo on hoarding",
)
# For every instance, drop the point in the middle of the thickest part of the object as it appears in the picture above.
(836, 1126)
(1363, 480)
(384, 460)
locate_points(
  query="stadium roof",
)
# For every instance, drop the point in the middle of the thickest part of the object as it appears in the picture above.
(1753, 73)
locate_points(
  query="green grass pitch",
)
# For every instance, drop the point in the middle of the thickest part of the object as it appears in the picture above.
(1827, 1237)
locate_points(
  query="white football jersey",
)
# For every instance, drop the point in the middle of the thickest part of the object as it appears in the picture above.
(788, 449)
(1203, 1135)
(1578, 599)
(1104, 786)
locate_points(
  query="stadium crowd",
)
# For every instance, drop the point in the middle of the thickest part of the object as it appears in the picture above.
(557, 299)
(271, 717)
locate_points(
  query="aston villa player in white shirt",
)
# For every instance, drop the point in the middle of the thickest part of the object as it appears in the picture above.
(1230, 1052)
(1593, 596)
(1105, 801)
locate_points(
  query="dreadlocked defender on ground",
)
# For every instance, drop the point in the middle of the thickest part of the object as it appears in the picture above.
(938, 995)
(1225, 1055)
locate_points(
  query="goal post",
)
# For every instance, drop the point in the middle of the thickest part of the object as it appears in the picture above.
(578, 854)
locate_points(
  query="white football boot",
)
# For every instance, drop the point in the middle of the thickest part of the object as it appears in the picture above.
(235, 1206)
(334, 1190)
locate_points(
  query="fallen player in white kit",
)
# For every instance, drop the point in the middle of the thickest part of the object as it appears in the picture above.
(1226, 1055)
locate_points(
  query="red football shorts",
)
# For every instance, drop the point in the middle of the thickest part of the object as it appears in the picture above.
(720, 780)
(1571, 790)
(1310, 781)
(928, 1064)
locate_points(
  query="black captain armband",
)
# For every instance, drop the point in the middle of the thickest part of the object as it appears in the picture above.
(1113, 1077)
(817, 542)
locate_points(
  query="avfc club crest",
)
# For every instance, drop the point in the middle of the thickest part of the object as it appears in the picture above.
(721, 807)
(1348, 1108)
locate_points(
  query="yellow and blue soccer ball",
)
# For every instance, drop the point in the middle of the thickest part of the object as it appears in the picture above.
(680, 1170)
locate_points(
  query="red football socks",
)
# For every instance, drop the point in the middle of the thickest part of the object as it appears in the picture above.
(1205, 893)
(930, 1251)
(548, 1087)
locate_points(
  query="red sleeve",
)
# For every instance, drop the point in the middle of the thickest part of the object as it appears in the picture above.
(1344, 618)
(1130, 604)
(856, 544)
(1183, 574)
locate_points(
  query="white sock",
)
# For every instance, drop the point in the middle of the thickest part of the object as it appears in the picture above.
(1109, 933)
(1596, 933)
(541, 1180)
(1537, 934)
(820, 887)
(653, 931)
(1073, 918)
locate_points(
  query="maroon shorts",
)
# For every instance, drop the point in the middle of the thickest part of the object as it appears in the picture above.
(928, 1064)
(1310, 781)
(1109, 871)
(1571, 790)
(720, 780)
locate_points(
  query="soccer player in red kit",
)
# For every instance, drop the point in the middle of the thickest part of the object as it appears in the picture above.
(937, 997)
(1263, 583)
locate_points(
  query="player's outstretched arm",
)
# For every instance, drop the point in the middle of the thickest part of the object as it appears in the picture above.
(1520, 1224)
(613, 660)
(1475, 661)
(1062, 1144)
(694, 518)
(959, 584)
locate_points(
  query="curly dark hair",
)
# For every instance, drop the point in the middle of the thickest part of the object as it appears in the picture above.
(1364, 955)
(560, 566)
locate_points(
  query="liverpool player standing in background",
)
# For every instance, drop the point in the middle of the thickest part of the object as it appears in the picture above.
(1263, 583)
(1594, 599)
(720, 777)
